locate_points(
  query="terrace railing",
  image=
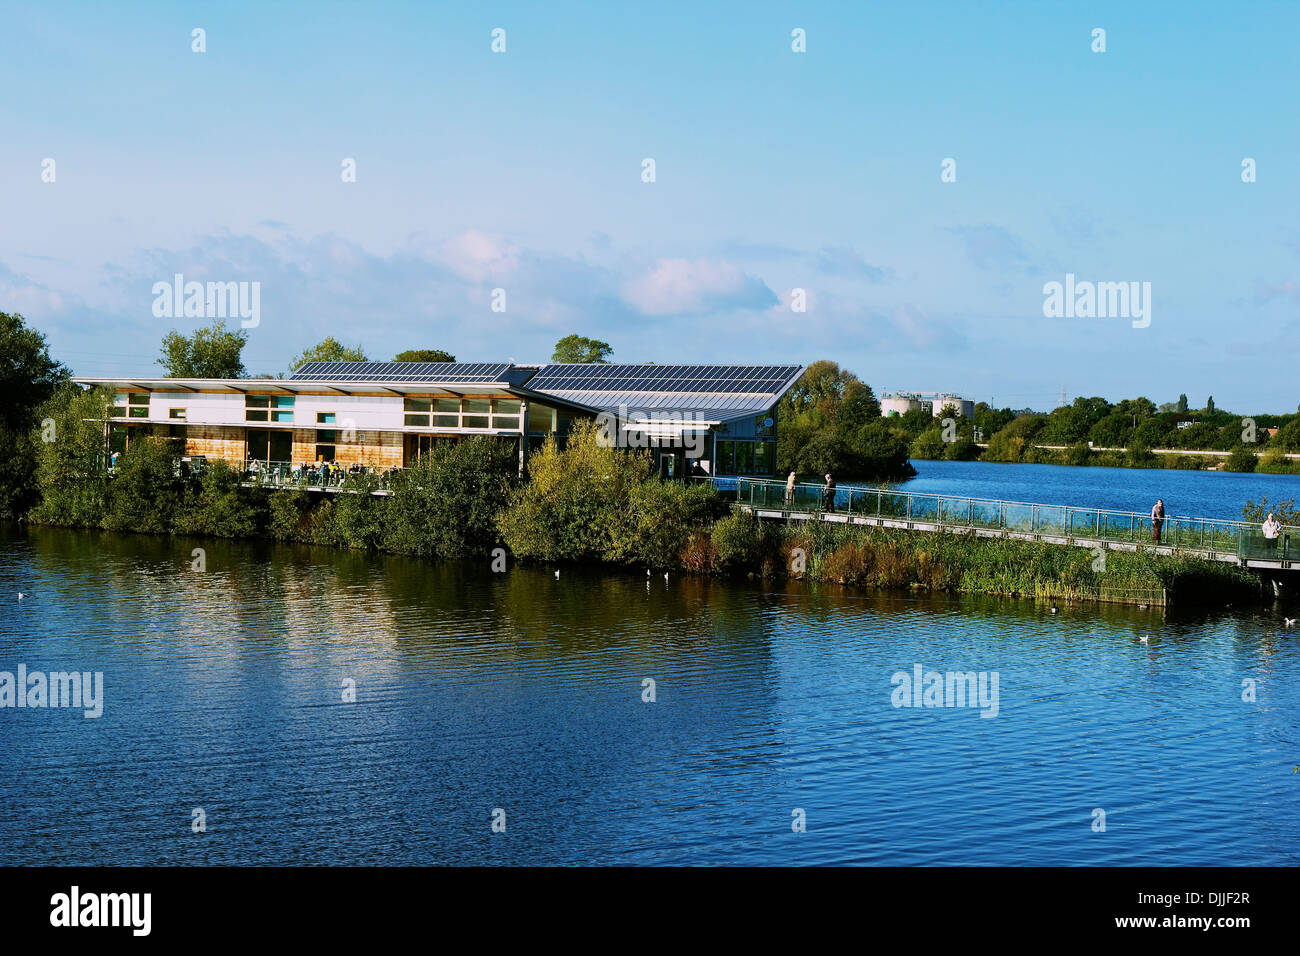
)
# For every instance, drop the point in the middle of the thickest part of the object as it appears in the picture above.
(1244, 539)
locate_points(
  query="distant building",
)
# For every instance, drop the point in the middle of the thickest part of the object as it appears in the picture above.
(900, 404)
(933, 403)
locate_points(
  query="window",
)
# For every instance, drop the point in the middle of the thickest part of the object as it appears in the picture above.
(726, 457)
(133, 405)
(540, 418)
(505, 413)
(476, 413)
(447, 413)
(744, 457)
(763, 457)
(324, 418)
(177, 414)
(325, 453)
(416, 412)
(268, 408)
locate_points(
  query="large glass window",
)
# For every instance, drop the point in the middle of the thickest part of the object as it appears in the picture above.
(726, 457)
(131, 405)
(267, 446)
(505, 413)
(446, 413)
(541, 418)
(268, 408)
(744, 457)
(416, 412)
(763, 457)
(476, 413)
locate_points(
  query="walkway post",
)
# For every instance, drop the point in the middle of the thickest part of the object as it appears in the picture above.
(523, 436)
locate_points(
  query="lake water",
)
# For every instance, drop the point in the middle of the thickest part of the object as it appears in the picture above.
(477, 691)
(1199, 494)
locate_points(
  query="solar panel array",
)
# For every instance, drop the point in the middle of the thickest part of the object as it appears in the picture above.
(461, 372)
(695, 379)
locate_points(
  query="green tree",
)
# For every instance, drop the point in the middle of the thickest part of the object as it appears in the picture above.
(1241, 459)
(928, 445)
(574, 499)
(329, 350)
(211, 352)
(424, 355)
(144, 494)
(446, 505)
(28, 378)
(881, 451)
(581, 350)
(1284, 510)
(70, 470)
(1209, 405)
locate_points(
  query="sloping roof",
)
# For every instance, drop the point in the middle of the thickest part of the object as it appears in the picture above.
(461, 373)
(713, 392)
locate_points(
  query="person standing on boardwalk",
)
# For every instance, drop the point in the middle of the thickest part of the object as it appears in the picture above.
(1157, 519)
(1272, 530)
(830, 493)
(789, 490)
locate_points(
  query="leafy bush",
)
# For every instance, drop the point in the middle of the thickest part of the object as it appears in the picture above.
(69, 470)
(1242, 459)
(1078, 454)
(357, 518)
(660, 519)
(740, 541)
(290, 516)
(447, 505)
(219, 507)
(882, 452)
(574, 499)
(928, 444)
(145, 493)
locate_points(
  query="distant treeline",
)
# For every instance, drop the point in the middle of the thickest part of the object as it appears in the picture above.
(1136, 425)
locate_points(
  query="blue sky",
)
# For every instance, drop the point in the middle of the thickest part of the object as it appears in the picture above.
(775, 170)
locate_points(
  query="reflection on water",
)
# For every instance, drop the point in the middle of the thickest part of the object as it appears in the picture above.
(478, 690)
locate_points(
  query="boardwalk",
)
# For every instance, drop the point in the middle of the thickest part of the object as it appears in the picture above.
(1235, 541)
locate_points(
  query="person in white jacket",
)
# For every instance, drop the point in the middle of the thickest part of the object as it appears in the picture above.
(789, 490)
(1272, 527)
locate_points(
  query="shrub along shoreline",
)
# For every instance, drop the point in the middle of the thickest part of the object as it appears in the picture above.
(591, 504)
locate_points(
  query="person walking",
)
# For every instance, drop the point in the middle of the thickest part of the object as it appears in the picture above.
(830, 493)
(1157, 519)
(789, 490)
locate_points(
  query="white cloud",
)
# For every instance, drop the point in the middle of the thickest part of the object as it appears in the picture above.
(695, 286)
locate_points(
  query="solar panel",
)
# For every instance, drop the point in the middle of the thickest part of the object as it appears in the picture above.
(462, 372)
(708, 379)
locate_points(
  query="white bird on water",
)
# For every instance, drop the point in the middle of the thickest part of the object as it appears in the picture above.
(20, 595)
(1287, 621)
(557, 575)
(665, 575)
(1054, 611)
(1145, 638)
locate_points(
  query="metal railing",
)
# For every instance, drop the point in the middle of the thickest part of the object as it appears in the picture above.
(1241, 538)
(284, 474)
